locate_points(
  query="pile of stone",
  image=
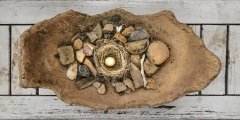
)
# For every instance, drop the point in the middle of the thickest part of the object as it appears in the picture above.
(146, 54)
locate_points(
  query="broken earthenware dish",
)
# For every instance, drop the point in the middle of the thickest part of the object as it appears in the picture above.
(190, 67)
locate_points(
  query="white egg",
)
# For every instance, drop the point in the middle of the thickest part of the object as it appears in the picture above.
(109, 61)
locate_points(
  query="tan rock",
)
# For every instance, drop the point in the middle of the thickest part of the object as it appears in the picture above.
(128, 31)
(108, 28)
(97, 84)
(151, 83)
(136, 76)
(149, 67)
(80, 55)
(72, 71)
(77, 44)
(98, 30)
(137, 47)
(157, 52)
(129, 83)
(92, 36)
(119, 86)
(88, 63)
(66, 54)
(135, 59)
(102, 89)
(120, 37)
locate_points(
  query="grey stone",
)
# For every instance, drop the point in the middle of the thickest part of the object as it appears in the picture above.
(66, 54)
(139, 35)
(98, 30)
(136, 76)
(92, 36)
(83, 71)
(120, 87)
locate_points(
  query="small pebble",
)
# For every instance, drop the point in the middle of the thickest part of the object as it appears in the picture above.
(120, 37)
(77, 44)
(149, 67)
(88, 63)
(102, 89)
(108, 28)
(157, 52)
(151, 84)
(139, 35)
(66, 54)
(129, 83)
(97, 84)
(72, 71)
(119, 86)
(88, 49)
(92, 36)
(135, 59)
(115, 18)
(136, 76)
(80, 55)
(128, 31)
(83, 71)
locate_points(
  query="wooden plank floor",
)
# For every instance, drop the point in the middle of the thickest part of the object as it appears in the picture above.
(216, 21)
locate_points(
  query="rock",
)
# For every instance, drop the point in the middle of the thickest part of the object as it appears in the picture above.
(139, 35)
(136, 76)
(97, 84)
(135, 59)
(83, 71)
(102, 89)
(88, 48)
(80, 55)
(98, 30)
(129, 83)
(92, 36)
(84, 83)
(151, 84)
(120, 37)
(88, 63)
(115, 18)
(157, 52)
(137, 47)
(128, 31)
(107, 36)
(149, 67)
(72, 71)
(66, 54)
(77, 44)
(105, 21)
(119, 86)
(108, 28)
(75, 37)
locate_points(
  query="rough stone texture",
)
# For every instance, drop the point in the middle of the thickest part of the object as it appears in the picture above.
(190, 67)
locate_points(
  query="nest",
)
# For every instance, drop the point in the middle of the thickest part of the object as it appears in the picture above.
(110, 48)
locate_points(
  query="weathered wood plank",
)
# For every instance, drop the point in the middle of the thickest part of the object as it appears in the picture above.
(16, 89)
(197, 11)
(44, 107)
(196, 29)
(214, 37)
(234, 60)
(43, 91)
(4, 60)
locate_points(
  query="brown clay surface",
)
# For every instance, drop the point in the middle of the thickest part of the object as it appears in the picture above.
(191, 67)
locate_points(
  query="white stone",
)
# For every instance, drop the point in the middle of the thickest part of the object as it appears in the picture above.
(72, 71)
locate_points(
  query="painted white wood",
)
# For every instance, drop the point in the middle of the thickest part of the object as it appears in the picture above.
(43, 91)
(4, 60)
(214, 37)
(45, 107)
(196, 29)
(234, 60)
(187, 11)
(16, 89)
